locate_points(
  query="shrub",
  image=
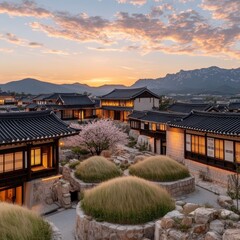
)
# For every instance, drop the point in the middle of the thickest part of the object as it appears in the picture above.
(127, 200)
(19, 223)
(160, 169)
(96, 169)
(74, 164)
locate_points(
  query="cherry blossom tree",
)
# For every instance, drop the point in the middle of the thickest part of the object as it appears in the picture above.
(97, 136)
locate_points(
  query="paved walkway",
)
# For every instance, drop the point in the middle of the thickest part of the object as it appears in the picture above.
(65, 219)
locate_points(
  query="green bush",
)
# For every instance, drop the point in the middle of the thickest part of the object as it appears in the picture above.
(159, 169)
(127, 200)
(18, 223)
(74, 164)
(96, 169)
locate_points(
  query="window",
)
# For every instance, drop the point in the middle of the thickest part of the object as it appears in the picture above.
(154, 126)
(134, 124)
(36, 157)
(219, 149)
(41, 156)
(198, 144)
(11, 161)
(67, 114)
(237, 152)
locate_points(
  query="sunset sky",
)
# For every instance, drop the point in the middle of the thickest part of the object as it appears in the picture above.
(115, 41)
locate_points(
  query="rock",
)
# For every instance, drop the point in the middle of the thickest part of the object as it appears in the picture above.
(231, 234)
(176, 235)
(180, 203)
(187, 222)
(225, 213)
(139, 158)
(212, 236)
(179, 208)
(167, 223)
(234, 217)
(200, 228)
(174, 215)
(189, 207)
(204, 215)
(224, 201)
(217, 226)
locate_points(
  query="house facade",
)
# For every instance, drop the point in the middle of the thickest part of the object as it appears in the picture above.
(206, 142)
(151, 126)
(119, 103)
(29, 155)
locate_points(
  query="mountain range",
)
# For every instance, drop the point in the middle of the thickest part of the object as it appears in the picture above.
(212, 80)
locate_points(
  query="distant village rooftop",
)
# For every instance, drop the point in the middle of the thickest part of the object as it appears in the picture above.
(126, 94)
(156, 116)
(188, 107)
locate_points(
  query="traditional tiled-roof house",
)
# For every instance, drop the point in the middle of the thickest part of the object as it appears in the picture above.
(6, 98)
(188, 107)
(119, 103)
(29, 155)
(76, 107)
(151, 125)
(206, 141)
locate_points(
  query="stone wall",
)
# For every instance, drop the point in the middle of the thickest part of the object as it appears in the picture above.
(88, 228)
(76, 185)
(180, 187)
(56, 234)
(190, 221)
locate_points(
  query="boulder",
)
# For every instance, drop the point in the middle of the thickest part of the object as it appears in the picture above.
(224, 201)
(212, 236)
(204, 215)
(174, 215)
(231, 234)
(167, 223)
(189, 207)
(217, 226)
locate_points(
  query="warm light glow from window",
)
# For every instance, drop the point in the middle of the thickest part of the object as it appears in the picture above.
(117, 103)
(154, 126)
(219, 149)
(237, 152)
(198, 144)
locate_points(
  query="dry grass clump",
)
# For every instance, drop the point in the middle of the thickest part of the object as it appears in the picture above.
(159, 169)
(18, 223)
(127, 200)
(96, 169)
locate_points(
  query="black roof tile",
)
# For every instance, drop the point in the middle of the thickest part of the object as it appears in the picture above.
(30, 126)
(188, 107)
(156, 116)
(211, 122)
(129, 93)
(76, 100)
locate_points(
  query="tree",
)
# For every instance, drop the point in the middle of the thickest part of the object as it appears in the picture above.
(98, 136)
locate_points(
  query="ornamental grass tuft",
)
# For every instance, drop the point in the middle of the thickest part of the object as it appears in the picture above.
(96, 169)
(19, 223)
(127, 200)
(159, 169)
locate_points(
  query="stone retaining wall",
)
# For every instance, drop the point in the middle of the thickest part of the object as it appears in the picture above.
(180, 187)
(76, 185)
(88, 228)
(56, 234)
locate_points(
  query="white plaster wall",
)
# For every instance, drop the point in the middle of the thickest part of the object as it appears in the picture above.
(145, 103)
(175, 143)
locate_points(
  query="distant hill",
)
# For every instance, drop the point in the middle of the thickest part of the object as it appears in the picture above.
(34, 86)
(206, 80)
(212, 80)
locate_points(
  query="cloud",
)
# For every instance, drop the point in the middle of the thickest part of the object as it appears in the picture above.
(134, 2)
(163, 29)
(57, 52)
(6, 50)
(35, 44)
(26, 8)
(11, 38)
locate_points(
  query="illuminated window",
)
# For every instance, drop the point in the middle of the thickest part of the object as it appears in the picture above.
(67, 114)
(11, 161)
(162, 127)
(154, 126)
(219, 149)
(35, 156)
(237, 152)
(198, 144)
